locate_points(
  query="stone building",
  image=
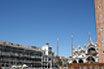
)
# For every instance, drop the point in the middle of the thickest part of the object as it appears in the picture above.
(18, 55)
(49, 60)
(61, 62)
(88, 54)
(14, 54)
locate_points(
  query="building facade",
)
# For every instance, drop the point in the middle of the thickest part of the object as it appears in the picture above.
(87, 55)
(61, 62)
(99, 10)
(15, 54)
(18, 55)
(49, 60)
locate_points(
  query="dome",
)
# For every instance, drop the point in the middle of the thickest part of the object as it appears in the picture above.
(82, 51)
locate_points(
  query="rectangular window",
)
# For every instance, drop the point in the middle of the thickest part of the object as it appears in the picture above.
(101, 29)
(103, 52)
(99, 6)
(100, 17)
(102, 40)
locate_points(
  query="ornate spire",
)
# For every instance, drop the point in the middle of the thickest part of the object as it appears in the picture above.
(72, 45)
(85, 45)
(79, 47)
(90, 40)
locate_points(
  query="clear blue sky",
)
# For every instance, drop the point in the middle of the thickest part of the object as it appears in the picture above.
(36, 22)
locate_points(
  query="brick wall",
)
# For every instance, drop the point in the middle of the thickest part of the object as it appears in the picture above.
(86, 66)
(99, 10)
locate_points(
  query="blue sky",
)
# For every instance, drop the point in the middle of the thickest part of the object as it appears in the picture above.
(36, 22)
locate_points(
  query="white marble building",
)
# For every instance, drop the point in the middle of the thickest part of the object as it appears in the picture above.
(88, 54)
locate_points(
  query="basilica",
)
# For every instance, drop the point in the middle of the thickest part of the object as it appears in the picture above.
(88, 54)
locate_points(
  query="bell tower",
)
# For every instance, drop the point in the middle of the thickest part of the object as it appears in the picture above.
(99, 12)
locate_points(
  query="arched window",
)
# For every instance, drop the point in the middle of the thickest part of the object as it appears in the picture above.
(2, 65)
(7, 65)
(90, 59)
(74, 61)
(92, 51)
(80, 61)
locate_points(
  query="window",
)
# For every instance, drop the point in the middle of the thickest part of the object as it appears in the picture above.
(100, 17)
(99, 6)
(103, 52)
(11, 43)
(102, 40)
(101, 29)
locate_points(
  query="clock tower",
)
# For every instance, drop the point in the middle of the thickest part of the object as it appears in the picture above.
(99, 12)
